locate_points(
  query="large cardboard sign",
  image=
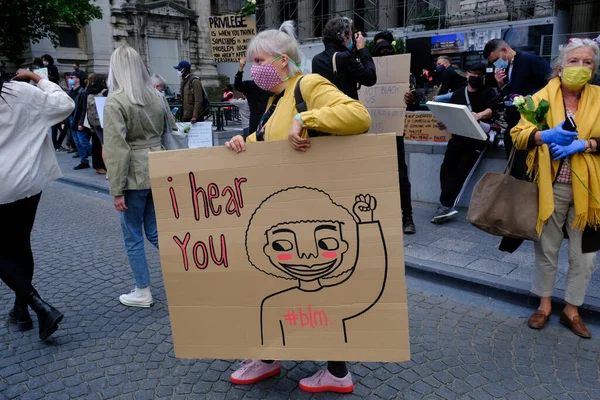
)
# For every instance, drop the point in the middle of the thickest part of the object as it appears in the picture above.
(278, 254)
(385, 100)
(421, 126)
(230, 35)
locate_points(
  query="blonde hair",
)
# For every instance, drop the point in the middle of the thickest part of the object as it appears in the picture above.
(276, 42)
(569, 47)
(129, 74)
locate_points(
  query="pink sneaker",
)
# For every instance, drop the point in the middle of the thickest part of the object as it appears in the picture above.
(324, 381)
(253, 371)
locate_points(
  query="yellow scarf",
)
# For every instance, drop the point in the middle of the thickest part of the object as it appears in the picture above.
(585, 165)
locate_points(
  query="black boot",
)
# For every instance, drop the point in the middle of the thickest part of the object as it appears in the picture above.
(408, 226)
(48, 316)
(20, 315)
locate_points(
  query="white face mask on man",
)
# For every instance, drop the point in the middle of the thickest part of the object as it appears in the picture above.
(180, 73)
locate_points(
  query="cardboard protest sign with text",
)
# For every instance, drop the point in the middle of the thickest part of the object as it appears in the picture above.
(278, 254)
(385, 100)
(230, 35)
(421, 126)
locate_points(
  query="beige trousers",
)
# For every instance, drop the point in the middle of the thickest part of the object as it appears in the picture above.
(581, 265)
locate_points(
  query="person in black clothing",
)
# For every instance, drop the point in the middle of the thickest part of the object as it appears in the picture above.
(451, 80)
(462, 152)
(48, 62)
(80, 134)
(257, 98)
(383, 44)
(352, 69)
(516, 73)
(383, 47)
(53, 76)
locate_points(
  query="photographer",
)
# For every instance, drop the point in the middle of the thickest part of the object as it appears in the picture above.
(352, 69)
(462, 152)
(515, 73)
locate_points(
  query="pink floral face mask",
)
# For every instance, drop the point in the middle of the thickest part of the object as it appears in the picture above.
(265, 76)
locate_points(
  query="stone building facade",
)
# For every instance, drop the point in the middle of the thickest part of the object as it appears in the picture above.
(162, 31)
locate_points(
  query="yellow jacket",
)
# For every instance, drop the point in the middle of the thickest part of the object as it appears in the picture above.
(329, 110)
(586, 166)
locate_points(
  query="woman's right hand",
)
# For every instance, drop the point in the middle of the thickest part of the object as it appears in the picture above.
(558, 135)
(236, 144)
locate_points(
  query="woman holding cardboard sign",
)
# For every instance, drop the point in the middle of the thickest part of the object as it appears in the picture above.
(302, 107)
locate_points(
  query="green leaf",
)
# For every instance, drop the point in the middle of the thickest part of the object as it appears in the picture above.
(530, 104)
(543, 108)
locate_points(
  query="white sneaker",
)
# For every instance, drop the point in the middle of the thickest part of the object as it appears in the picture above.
(137, 298)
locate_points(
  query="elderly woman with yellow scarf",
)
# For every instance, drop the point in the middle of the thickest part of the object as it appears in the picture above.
(566, 167)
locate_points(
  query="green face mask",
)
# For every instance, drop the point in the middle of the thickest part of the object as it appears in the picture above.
(575, 78)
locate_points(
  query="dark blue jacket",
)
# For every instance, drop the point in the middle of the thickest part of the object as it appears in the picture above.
(529, 74)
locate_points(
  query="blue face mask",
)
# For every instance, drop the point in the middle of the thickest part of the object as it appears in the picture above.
(351, 45)
(440, 68)
(501, 64)
(72, 82)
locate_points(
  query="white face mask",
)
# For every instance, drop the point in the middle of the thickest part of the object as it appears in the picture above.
(180, 73)
(45, 63)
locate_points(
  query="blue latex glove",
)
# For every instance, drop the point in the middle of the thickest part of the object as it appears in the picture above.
(559, 152)
(558, 135)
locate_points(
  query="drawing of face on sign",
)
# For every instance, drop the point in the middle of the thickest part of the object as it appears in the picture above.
(312, 241)
(301, 234)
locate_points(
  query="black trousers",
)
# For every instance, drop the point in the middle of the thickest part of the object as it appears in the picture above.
(335, 368)
(16, 258)
(461, 155)
(58, 135)
(403, 175)
(97, 162)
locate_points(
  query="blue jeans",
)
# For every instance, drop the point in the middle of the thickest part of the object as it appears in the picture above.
(140, 213)
(82, 142)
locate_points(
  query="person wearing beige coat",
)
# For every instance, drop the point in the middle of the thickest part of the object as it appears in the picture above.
(133, 126)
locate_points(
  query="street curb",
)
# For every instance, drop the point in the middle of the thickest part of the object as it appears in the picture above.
(519, 288)
(84, 184)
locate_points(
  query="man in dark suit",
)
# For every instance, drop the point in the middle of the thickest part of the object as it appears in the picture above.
(451, 78)
(516, 73)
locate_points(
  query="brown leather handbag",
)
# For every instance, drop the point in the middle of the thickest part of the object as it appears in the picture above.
(502, 205)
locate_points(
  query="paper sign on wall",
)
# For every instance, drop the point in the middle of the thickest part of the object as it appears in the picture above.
(421, 126)
(304, 262)
(385, 100)
(230, 35)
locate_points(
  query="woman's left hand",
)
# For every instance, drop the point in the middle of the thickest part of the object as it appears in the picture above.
(295, 136)
(560, 152)
(120, 205)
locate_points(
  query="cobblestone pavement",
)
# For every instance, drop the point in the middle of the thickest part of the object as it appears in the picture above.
(104, 350)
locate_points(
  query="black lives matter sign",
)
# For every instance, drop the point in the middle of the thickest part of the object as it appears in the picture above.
(230, 35)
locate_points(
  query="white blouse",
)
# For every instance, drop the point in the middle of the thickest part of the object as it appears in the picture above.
(27, 159)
